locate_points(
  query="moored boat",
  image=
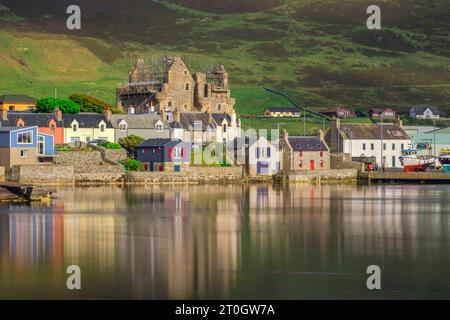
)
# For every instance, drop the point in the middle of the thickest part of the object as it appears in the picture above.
(444, 159)
(412, 162)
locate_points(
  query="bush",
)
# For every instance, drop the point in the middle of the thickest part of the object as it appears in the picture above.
(110, 145)
(64, 148)
(47, 105)
(130, 142)
(132, 165)
(91, 104)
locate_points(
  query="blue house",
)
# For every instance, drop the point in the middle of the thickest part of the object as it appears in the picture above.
(159, 155)
(24, 145)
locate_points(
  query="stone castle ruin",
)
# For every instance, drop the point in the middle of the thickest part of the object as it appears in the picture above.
(167, 85)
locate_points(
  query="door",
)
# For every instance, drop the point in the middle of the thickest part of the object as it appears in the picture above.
(311, 164)
(177, 168)
(393, 162)
(262, 167)
(41, 145)
(152, 166)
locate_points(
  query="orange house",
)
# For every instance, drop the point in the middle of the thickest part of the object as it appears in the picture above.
(16, 102)
(46, 122)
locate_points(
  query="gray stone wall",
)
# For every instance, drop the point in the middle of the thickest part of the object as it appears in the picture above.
(41, 174)
(312, 176)
(344, 161)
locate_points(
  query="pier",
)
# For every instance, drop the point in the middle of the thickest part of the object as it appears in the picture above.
(408, 177)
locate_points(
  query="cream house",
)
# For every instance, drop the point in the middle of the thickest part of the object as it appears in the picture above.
(88, 126)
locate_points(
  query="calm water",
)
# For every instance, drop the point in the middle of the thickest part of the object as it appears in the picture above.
(230, 242)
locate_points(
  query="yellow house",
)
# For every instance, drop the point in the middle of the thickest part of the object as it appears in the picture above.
(16, 102)
(282, 112)
(86, 127)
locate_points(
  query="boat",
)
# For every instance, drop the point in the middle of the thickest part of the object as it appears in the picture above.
(412, 162)
(444, 159)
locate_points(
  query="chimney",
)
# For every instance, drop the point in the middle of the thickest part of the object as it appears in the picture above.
(176, 115)
(4, 115)
(58, 113)
(107, 113)
(321, 135)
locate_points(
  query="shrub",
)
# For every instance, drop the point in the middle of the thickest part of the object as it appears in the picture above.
(91, 104)
(132, 165)
(64, 148)
(130, 142)
(110, 145)
(47, 105)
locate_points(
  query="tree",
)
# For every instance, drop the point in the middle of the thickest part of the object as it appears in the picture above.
(47, 105)
(130, 142)
(132, 165)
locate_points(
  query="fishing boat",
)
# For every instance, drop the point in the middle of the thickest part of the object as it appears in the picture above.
(444, 159)
(412, 162)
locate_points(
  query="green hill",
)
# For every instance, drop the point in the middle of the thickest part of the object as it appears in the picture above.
(319, 51)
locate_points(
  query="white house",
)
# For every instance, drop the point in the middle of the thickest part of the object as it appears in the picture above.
(424, 112)
(262, 157)
(385, 142)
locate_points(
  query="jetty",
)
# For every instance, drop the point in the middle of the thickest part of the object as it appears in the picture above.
(408, 177)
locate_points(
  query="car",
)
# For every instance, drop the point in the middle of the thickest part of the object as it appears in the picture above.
(96, 142)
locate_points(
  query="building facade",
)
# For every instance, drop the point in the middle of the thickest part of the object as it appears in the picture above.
(385, 142)
(86, 127)
(282, 112)
(304, 153)
(24, 145)
(146, 126)
(16, 102)
(168, 84)
(383, 113)
(158, 155)
(262, 157)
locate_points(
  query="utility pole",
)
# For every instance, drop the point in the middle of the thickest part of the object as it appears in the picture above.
(434, 138)
(382, 144)
(304, 122)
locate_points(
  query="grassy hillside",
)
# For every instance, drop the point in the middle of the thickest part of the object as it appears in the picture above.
(319, 51)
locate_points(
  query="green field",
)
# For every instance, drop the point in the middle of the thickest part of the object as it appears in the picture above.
(317, 51)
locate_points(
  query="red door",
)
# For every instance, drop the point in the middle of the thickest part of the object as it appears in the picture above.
(311, 164)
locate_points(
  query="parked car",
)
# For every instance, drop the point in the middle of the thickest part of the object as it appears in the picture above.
(96, 142)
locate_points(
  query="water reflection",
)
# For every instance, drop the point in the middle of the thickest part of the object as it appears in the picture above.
(203, 242)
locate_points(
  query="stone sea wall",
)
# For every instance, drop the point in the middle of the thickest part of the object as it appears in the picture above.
(42, 174)
(317, 176)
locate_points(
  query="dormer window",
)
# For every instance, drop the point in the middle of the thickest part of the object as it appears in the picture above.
(159, 127)
(102, 127)
(123, 126)
(53, 128)
(74, 127)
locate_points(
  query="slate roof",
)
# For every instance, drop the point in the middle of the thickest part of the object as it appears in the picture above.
(85, 120)
(218, 117)
(188, 119)
(159, 142)
(421, 109)
(17, 98)
(137, 121)
(30, 119)
(283, 109)
(307, 144)
(373, 131)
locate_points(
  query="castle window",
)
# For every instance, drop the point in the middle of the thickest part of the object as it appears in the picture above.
(219, 107)
(185, 71)
(169, 104)
(186, 87)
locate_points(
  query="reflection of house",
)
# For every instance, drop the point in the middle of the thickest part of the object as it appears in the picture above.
(277, 112)
(164, 155)
(24, 145)
(15, 102)
(424, 112)
(46, 122)
(262, 157)
(339, 113)
(88, 126)
(304, 153)
(147, 126)
(382, 113)
(204, 127)
(385, 142)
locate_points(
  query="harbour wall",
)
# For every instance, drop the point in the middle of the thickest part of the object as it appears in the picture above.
(318, 176)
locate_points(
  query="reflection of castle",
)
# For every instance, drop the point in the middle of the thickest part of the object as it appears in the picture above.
(168, 85)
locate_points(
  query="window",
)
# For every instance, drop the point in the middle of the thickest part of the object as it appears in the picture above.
(74, 127)
(177, 153)
(364, 146)
(88, 139)
(11, 108)
(102, 128)
(321, 163)
(372, 146)
(300, 164)
(24, 153)
(186, 87)
(74, 139)
(225, 128)
(123, 126)
(53, 128)
(321, 153)
(25, 137)
(169, 104)
(384, 146)
(159, 127)
(219, 107)
(393, 146)
(402, 146)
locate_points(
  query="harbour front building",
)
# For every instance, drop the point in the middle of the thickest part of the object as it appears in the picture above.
(385, 142)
